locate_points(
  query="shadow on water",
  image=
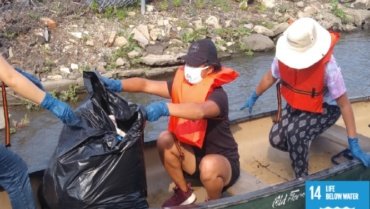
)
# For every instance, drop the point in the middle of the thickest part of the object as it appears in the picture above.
(351, 53)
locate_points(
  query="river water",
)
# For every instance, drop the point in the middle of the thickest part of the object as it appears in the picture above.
(352, 54)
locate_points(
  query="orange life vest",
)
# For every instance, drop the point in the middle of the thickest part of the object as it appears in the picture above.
(192, 132)
(304, 89)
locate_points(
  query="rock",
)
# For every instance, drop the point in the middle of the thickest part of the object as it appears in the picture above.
(77, 35)
(157, 48)
(160, 60)
(140, 38)
(280, 28)
(112, 38)
(90, 43)
(65, 70)
(269, 3)
(120, 41)
(300, 4)
(258, 42)
(213, 21)
(11, 54)
(54, 77)
(131, 73)
(133, 54)
(159, 71)
(74, 66)
(263, 30)
(144, 30)
(120, 62)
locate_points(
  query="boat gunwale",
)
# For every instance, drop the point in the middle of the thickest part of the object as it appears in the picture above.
(270, 190)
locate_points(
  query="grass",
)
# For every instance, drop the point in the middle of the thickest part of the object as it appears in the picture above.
(338, 11)
(191, 36)
(223, 4)
(121, 52)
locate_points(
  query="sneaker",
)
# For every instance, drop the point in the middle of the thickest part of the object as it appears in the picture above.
(180, 198)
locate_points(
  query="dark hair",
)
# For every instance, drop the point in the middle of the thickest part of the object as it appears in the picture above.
(216, 66)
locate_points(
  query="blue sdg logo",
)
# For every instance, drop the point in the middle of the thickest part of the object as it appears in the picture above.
(337, 195)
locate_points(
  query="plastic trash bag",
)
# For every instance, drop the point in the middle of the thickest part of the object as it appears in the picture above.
(94, 167)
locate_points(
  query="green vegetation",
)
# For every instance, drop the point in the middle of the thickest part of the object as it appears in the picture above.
(191, 36)
(19, 124)
(34, 15)
(200, 4)
(177, 3)
(247, 51)
(122, 52)
(228, 33)
(338, 11)
(9, 35)
(163, 5)
(94, 6)
(48, 65)
(261, 7)
(110, 12)
(69, 95)
(223, 4)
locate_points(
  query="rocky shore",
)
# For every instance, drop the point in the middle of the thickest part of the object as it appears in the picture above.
(58, 40)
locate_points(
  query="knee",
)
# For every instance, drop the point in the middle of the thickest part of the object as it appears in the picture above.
(165, 140)
(274, 140)
(207, 169)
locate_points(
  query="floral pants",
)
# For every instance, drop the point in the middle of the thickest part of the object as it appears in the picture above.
(296, 130)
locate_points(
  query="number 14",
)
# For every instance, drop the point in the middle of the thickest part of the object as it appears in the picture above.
(315, 193)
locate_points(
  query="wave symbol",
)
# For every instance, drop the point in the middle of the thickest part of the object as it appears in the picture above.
(337, 208)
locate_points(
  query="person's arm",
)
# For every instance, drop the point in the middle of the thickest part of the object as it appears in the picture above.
(25, 88)
(158, 88)
(265, 83)
(194, 111)
(136, 84)
(19, 83)
(349, 121)
(347, 115)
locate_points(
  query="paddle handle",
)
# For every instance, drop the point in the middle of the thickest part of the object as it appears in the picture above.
(6, 115)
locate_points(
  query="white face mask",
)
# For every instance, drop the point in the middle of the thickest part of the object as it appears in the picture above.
(193, 74)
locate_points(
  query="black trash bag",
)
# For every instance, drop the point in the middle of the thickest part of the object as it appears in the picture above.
(94, 167)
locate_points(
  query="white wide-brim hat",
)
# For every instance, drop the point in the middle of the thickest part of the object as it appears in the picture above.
(304, 43)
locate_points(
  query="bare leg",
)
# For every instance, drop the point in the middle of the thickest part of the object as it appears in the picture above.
(215, 173)
(171, 160)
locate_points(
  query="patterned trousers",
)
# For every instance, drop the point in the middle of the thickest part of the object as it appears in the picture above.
(296, 130)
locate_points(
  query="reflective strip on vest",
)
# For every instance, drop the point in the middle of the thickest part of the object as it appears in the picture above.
(304, 89)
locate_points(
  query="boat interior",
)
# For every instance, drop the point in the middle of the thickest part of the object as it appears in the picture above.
(261, 165)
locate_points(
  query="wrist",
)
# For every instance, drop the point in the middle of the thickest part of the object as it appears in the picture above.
(166, 108)
(352, 138)
(255, 95)
(47, 102)
(118, 85)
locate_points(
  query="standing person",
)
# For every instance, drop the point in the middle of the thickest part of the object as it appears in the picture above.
(198, 140)
(13, 170)
(311, 82)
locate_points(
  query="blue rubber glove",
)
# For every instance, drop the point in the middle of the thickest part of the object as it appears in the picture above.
(30, 77)
(111, 84)
(357, 151)
(250, 102)
(155, 110)
(60, 109)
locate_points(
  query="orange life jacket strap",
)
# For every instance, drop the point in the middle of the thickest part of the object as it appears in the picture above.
(312, 93)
